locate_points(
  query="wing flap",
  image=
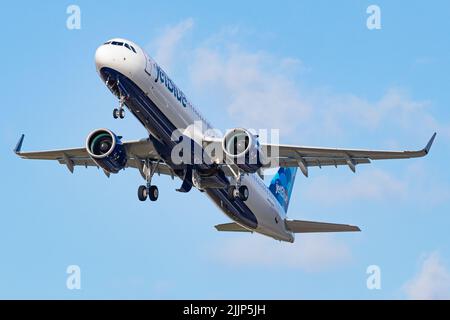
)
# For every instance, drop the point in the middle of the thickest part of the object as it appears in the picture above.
(299, 226)
(319, 162)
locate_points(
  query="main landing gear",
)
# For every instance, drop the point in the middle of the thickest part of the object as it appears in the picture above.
(148, 191)
(145, 192)
(238, 191)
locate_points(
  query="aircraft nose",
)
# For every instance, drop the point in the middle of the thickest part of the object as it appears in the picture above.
(101, 57)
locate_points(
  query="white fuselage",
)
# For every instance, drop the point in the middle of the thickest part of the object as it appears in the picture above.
(137, 66)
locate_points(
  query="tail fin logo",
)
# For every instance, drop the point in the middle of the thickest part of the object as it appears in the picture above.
(282, 184)
(280, 190)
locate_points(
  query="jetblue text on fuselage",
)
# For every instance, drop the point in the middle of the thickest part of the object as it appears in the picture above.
(177, 93)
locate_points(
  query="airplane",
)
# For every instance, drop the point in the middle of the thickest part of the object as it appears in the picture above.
(234, 183)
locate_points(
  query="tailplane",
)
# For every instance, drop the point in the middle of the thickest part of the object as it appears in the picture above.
(298, 226)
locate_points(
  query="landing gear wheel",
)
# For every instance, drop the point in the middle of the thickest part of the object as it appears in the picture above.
(142, 193)
(118, 113)
(243, 193)
(153, 193)
(231, 192)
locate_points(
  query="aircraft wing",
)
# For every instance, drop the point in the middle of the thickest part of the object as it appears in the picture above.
(137, 151)
(304, 157)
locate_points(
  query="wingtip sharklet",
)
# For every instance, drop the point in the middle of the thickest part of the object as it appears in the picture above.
(18, 147)
(429, 144)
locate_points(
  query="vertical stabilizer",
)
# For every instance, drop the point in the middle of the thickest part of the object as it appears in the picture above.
(282, 184)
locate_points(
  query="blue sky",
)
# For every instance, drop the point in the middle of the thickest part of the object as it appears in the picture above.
(310, 68)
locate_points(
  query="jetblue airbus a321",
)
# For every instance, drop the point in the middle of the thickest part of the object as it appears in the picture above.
(178, 138)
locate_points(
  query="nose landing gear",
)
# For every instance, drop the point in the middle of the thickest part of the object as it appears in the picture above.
(120, 112)
(119, 90)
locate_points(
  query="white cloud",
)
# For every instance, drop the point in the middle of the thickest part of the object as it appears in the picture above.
(427, 184)
(162, 288)
(425, 61)
(367, 185)
(257, 90)
(311, 253)
(431, 282)
(338, 117)
(168, 41)
(260, 90)
(415, 181)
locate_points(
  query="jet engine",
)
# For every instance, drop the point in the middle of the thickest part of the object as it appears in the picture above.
(243, 149)
(106, 150)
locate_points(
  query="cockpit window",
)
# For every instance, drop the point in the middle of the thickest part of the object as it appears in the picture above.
(120, 44)
(130, 47)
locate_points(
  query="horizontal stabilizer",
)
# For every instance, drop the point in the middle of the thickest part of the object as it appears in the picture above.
(231, 227)
(298, 226)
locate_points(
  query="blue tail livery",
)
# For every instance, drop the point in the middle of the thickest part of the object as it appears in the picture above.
(282, 184)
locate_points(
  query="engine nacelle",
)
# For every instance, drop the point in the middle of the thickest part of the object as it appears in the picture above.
(106, 149)
(243, 148)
